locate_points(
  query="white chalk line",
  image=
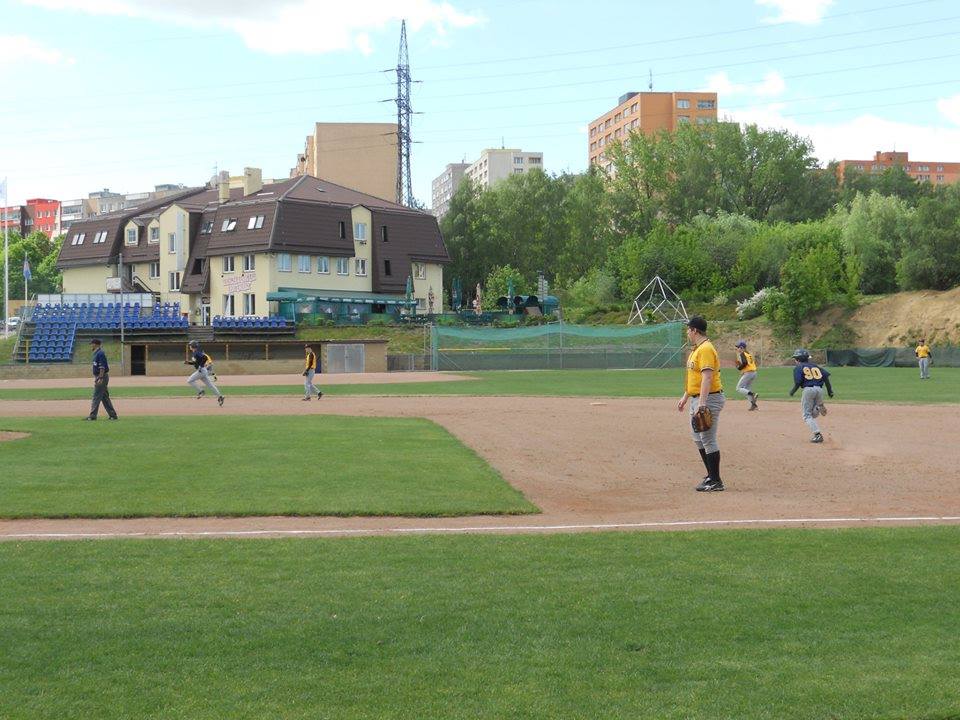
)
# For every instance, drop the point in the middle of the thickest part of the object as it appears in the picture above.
(474, 529)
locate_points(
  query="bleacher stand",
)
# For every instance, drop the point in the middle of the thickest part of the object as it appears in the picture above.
(248, 324)
(56, 325)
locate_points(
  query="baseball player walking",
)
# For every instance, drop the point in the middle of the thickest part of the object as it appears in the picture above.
(748, 373)
(201, 363)
(812, 378)
(101, 379)
(704, 390)
(309, 371)
(924, 356)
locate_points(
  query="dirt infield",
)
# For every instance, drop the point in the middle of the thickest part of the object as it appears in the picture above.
(611, 463)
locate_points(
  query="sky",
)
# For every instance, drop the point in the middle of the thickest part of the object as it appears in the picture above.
(128, 94)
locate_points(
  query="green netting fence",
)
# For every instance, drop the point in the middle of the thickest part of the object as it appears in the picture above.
(892, 357)
(557, 346)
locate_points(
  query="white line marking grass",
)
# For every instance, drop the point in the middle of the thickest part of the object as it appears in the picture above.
(475, 529)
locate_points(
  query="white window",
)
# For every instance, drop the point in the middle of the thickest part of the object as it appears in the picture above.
(706, 104)
(131, 236)
(78, 239)
(343, 266)
(249, 263)
(228, 263)
(361, 267)
(155, 271)
(517, 160)
(323, 265)
(249, 304)
(171, 243)
(360, 232)
(228, 306)
(256, 222)
(284, 262)
(228, 225)
(154, 234)
(174, 282)
(683, 104)
(303, 263)
(419, 271)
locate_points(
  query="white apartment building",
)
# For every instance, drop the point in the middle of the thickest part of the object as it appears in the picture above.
(497, 164)
(445, 185)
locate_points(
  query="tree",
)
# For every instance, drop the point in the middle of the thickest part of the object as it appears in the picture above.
(498, 283)
(42, 253)
(931, 258)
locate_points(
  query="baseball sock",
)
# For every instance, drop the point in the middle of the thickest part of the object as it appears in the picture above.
(713, 465)
(703, 456)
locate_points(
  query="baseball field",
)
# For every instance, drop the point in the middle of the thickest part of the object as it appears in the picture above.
(434, 549)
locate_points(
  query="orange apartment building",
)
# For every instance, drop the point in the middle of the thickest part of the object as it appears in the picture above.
(648, 112)
(938, 173)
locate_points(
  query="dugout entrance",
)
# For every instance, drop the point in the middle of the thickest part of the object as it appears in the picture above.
(557, 346)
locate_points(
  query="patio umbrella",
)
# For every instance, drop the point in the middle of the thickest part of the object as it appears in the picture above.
(409, 292)
(509, 294)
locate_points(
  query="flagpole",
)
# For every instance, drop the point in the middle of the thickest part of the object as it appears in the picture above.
(6, 262)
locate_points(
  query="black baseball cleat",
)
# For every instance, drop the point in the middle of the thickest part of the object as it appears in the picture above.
(89, 418)
(822, 408)
(753, 402)
(306, 399)
(818, 438)
(319, 394)
(710, 485)
(220, 401)
(200, 394)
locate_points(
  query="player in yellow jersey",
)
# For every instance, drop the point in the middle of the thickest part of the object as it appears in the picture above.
(704, 388)
(309, 370)
(924, 356)
(748, 373)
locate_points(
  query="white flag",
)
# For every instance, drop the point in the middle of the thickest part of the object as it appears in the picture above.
(3, 189)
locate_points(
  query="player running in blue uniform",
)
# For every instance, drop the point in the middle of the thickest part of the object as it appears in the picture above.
(201, 364)
(812, 378)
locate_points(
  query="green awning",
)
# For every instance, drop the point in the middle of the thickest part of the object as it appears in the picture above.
(282, 295)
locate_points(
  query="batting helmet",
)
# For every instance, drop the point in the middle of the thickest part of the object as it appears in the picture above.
(193, 344)
(742, 344)
(801, 355)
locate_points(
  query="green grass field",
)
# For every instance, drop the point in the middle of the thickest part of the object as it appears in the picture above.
(898, 385)
(191, 466)
(736, 624)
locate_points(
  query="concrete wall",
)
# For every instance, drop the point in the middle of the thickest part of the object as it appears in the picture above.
(87, 279)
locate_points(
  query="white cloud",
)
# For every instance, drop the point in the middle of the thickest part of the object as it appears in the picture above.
(287, 26)
(805, 12)
(860, 137)
(22, 49)
(772, 85)
(950, 108)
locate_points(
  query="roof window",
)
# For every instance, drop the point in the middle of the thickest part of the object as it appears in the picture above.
(229, 225)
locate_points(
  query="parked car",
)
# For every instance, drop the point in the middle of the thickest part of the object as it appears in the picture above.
(13, 322)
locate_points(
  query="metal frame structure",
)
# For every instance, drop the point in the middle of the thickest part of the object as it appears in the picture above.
(658, 302)
(404, 113)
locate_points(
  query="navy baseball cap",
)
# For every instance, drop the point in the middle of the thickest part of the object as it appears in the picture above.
(742, 344)
(96, 341)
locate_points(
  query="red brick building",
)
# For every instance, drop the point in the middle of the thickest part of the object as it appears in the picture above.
(45, 216)
(14, 218)
(935, 172)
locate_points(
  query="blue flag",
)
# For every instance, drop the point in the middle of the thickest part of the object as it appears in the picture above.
(26, 269)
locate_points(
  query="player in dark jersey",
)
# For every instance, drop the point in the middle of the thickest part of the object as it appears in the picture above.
(812, 378)
(201, 364)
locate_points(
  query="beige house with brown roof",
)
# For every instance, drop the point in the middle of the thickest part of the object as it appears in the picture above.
(225, 251)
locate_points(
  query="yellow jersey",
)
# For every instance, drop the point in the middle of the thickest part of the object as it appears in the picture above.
(703, 357)
(748, 363)
(310, 361)
(922, 351)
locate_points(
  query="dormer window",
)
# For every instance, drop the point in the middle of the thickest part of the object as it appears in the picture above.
(131, 236)
(78, 239)
(229, 225)
(155, 234)
(100, 237)
(207, 228)
(256, 222)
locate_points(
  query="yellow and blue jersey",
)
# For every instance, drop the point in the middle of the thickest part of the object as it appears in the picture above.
(809, 374)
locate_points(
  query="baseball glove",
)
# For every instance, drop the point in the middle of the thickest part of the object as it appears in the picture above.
(701, 420)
